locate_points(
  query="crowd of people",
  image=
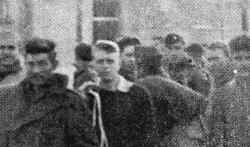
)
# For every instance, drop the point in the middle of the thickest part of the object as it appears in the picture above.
(126, 94)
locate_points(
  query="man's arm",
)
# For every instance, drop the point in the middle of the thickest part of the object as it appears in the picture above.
(143, 127)
(185, 103)
(80, 132)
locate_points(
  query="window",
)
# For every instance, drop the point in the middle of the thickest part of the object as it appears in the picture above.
(106, 19)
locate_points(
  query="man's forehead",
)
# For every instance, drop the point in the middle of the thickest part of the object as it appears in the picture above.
(129, 49)
(36, 57)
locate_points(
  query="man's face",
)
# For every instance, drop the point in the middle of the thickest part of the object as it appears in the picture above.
(39, 67)
(107, 65)
(81, 65)
(128, 58)
(7, 54)
(242, 60)
(179, 73)
(177, 46)
(241, 56)
(215, 56)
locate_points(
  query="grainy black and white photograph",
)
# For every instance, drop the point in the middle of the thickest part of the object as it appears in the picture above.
(124, 73)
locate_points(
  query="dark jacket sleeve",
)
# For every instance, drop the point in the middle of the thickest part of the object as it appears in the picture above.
(185, 103)
(142, 121)
(80, 132)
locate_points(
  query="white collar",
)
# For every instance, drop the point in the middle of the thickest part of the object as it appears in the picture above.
(124, 85)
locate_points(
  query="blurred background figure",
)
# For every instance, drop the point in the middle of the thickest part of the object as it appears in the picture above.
(217, 52)
(10, 66)
(230, 115)
(179, 67)
(223, 73)
(240, 53)
(174, 42)
(166, 93)
(127, 49)
(84, 70)
(149, 62)
(183, 69)
(159, 44)
(196, 51)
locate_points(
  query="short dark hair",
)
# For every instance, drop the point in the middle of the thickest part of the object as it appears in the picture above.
(107, 46)
(83, 52)
(240, 43)
(38, 45)
(195, 48)
(127, 41)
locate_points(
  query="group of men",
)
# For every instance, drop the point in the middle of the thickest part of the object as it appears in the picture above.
(127, 95)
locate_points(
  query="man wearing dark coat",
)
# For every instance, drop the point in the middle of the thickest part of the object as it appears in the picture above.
(125, 108)
(41, 111)
(175, 104)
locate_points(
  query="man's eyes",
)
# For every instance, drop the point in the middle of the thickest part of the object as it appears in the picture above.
(100, 61)
(213, 59)
(130, 55)
(42, 63)
(247, 58)
(31, 64)
(108, 61)
(39, 63)
(238, 58)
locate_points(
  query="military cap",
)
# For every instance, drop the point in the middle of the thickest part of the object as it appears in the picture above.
(173, 38)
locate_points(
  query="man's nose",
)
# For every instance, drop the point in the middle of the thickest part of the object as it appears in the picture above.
(36, 69)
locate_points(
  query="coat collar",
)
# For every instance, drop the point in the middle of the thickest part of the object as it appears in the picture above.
(124, 85)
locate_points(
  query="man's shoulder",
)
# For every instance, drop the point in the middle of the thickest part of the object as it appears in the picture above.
(138, 89)
(225, 94)
(73, 99)
(9, 90)
(153, 80)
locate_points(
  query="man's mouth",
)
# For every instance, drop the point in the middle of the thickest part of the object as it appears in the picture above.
(37, 79)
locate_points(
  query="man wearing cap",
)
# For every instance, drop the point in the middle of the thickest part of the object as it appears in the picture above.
(175, 104)
(174, 42)
(126, 111)
(230, 115)
(11, 72)
(41, 111)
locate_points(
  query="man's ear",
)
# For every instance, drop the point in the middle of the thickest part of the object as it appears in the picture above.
(55, 64)
(54, 60)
